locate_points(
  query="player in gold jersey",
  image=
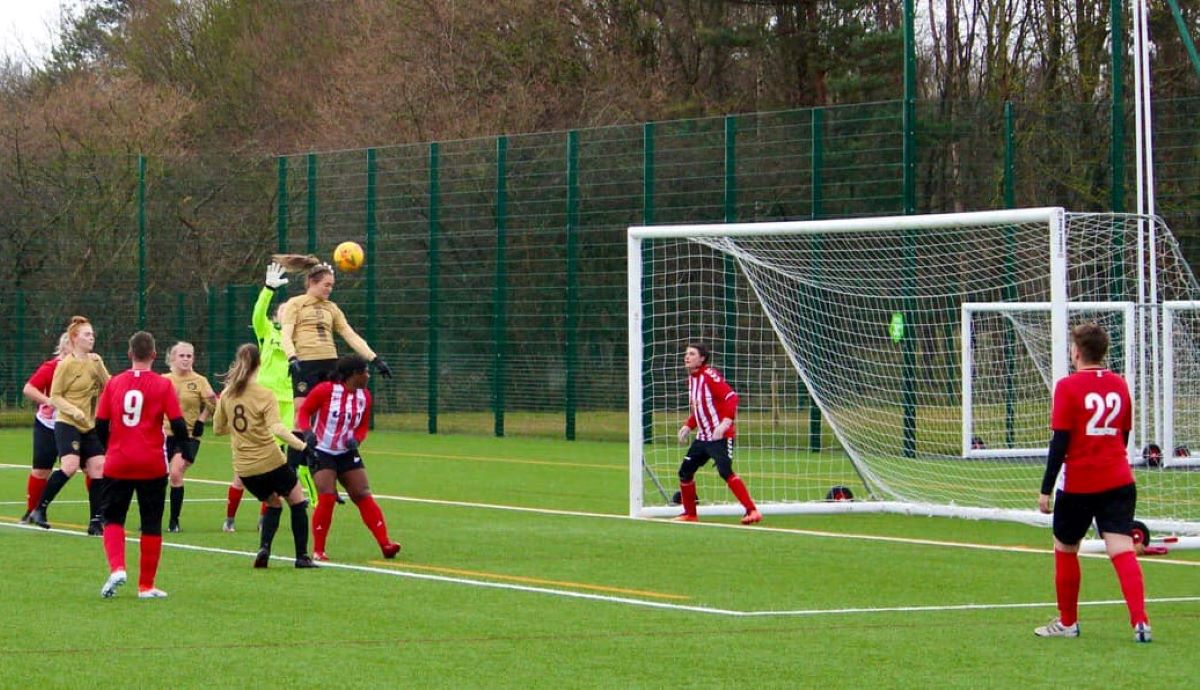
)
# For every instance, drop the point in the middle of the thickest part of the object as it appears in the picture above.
(309, 322)
(248, 412)
(74, 392)
(196, 399)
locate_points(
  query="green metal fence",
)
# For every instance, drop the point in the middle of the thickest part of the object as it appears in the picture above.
(495, 277)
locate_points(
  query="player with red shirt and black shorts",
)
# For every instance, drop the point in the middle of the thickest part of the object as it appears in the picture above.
(129, 418)
(1091, 416)
(341, 408)
(714, 405)
(45, 451)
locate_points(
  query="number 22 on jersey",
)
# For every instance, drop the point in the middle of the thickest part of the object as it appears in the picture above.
(1105, 410)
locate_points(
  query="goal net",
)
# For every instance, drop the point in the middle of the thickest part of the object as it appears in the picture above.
(910, 359)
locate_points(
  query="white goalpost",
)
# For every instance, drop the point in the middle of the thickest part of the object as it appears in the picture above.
(910, 359)
(991, 322)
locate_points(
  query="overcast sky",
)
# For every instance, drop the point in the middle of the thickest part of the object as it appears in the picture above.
(28, 26)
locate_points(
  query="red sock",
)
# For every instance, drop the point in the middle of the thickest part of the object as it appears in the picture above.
(233, 499)
(322, 517)
(33, 491)
(148, 568)
(1129, 573)
(1066, 586)
(372, 517)
(738, 488)
(87, 482)
(114, 546)
(687, 495)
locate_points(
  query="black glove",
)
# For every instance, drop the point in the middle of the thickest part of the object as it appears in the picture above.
(310, 441)
(198, 429)
(294, 367)
(382, 367)
(352, 445)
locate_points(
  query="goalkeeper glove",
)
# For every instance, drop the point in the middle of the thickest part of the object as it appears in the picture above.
(198, 429)
(275, 276)
(382, 367)
(310, 441)
(294, 367)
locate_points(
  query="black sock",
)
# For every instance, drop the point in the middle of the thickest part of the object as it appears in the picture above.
(58, 479)
(269, 527)
(176, 502)
(96, 497)
(300, 527)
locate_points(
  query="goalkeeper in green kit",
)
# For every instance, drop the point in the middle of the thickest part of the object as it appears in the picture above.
(273, 375)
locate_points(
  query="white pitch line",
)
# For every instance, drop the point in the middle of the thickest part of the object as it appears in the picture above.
(398, 572)
(762, 528)
(61, 502)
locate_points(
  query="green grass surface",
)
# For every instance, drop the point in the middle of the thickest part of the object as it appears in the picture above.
(519, 571)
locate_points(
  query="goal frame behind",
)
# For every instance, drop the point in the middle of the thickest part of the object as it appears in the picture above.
(1056, 253)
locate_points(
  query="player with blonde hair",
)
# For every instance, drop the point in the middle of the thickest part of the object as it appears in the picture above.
(196, 399)
(308, 324)
(75, 392)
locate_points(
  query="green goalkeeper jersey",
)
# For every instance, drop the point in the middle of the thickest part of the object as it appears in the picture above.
(273, 371)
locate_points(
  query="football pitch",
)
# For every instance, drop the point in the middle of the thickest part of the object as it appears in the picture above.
(520, 569)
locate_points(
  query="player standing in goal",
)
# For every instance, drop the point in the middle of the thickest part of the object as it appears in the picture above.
(1091, 416)
(714, 405)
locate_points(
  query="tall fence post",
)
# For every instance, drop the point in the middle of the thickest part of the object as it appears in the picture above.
(434, 219)
(817, 211)
(230, 322)
(1010, 285)
(372, 317)
(647, 280)
(20, 367)
(141, 223)
(1117, 159)
(281, 215)
(499, 302)
(210, 297)
(729, 199)
(908, 342)
(310, 212)
(572, 318)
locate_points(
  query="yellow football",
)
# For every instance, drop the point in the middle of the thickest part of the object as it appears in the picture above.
(348, 257)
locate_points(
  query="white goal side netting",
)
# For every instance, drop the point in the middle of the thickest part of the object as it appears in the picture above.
(846, 339)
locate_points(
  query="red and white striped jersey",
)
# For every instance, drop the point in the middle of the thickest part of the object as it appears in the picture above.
(41, 380)
(711, 399)
(340, 414)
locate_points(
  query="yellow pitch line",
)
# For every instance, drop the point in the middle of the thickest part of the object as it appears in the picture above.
(533, 580)
(5, 518)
